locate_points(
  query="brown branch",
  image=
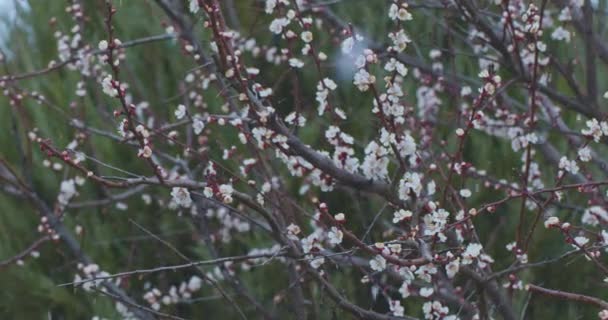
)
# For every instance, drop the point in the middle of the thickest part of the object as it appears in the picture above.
(24, 253)
(568, 296)
(137, 306)
(201, 272)
(173, 267)
(355, 310)
(62, 64)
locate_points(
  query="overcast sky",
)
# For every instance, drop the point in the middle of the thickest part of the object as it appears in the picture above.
(7, 18)
(8, 15)
(7, 10)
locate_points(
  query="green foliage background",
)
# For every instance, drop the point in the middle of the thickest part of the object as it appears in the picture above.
(32, 291)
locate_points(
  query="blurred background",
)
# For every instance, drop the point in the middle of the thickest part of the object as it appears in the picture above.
(154, 72)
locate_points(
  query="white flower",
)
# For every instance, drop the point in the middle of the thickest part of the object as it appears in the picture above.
(347, 45)
(594, 129)
(226, 192)
(465, 91)
(181, 196)
(195, 283)
(198, 125)
(411, 182)
(295, 118)
(67, 191)
(565, 15)
(103, 45)
(317, 262)
(431, 187)
(551, 221)
(561, 34)
(308, 243)
(580, 241)
(194, 7)
(426, 292)
(306, 36)
(265, 92)
(293, 231)
(394, 12)
(363, 79)
(396, 308)
(393, 65)
(490, 88)
(401, 215)
(270, 5)
(378, 263)
(400, 40)
(407, 146)
(335, 236)
(435, 54)
(90, 269)
(277, 25)
(452, 268)
(108, 88)
(145, 152)
(180, 112)
(594, 215)
(404, 290)
(568, 165)
(330, 84)
(426, 272)
(296, 63)
(375, 164)
(584, 154)
(472, 251)
(465, 193)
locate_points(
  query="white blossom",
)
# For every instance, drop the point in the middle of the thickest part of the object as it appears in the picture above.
(363, 79)
(426, 292)
(580, 241)
(401, 215)
(410, 183)
(472, 251)
(335, 236)
(594, 215)
(108, 87)
(194, 6)
(584, 154)
(195, 283)
(277, 25)
(378, 263)
(347, 45)
(317, 262)
(198, 125)
(306, 36)
(103, 45)
(561, 34)
(452, 268)
(568, 165)
(465, 193)
(180, 112)
(181, 196)
(270, 5)
(396, 308)
(551, 221)
(400, 40)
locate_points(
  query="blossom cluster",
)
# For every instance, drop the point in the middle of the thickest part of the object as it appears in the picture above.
(349, 159)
